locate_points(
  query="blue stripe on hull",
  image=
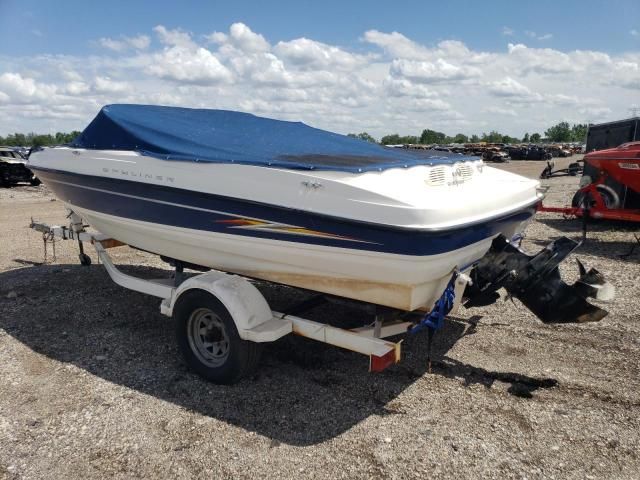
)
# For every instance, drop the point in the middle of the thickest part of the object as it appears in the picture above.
(215, 213)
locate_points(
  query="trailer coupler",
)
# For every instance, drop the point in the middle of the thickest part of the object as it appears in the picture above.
(536, 282)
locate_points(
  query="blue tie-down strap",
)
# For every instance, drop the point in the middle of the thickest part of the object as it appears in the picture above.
(435, 318)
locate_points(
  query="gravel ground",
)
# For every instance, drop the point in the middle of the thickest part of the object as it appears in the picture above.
(92, 385)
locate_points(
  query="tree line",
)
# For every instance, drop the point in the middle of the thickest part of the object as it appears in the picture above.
(37, 139)
(562, 132)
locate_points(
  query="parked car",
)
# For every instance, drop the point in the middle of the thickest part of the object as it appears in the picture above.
(13, 169)
(530, 152)
(495, 156)
(559, 151)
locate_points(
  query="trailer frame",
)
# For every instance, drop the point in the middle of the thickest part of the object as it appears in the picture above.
(253, 318)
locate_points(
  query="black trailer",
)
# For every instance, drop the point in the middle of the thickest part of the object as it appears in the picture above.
(612, 134)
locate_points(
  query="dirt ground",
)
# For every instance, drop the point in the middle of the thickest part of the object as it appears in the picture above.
(91, 384)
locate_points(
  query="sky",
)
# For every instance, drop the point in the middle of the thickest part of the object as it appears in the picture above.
(346, 66)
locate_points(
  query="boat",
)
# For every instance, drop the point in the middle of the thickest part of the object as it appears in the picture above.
(288, 203)
(254, 198)
(285, 202)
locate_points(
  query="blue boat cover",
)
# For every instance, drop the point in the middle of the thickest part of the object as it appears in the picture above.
(224, 136)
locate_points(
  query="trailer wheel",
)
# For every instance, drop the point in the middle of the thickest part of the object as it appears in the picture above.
(208, 339)
(35, 181)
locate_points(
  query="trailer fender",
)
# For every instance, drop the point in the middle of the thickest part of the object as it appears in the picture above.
(247, 306)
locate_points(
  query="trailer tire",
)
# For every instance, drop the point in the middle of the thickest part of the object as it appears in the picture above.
(609, 196)
(208, 339)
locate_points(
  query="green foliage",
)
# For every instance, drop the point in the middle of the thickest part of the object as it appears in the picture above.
(37, 140)
(492, 137)
(508, 139)
(363, 136)
(579, 132)
(396, 139)
(559, 133)
(431, 136)
(562, 132)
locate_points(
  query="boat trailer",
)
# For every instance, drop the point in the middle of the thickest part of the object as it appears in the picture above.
(255, 322)
(222, 319)
(574, 169)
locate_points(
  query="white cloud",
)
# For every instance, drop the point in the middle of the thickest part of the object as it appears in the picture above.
(242, 38)
(634, 32)
(19, 89)
(175, 37)
(192, 65)
(396, 44)
(509, 112)
(541, 60)
(506, 31)
(535, 36)
(140, 42)
(107, 85)
(428, 104)
(403, 87)
(246, 40)
(111, 44)
(72, 76)
(508, 87)
(77, 88)
(439, 71)
(390, 83)
(310, 54)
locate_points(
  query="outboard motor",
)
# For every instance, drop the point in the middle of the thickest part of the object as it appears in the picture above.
(536, 282)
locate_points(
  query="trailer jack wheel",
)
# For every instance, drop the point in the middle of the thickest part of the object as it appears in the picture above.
(84, 259)
(208, 339)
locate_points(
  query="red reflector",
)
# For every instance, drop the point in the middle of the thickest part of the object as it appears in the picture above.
(378, 364)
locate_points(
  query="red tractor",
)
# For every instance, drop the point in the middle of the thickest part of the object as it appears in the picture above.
(610, 185)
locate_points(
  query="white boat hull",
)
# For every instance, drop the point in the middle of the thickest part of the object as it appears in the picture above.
(391, 238)
(405, 282)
